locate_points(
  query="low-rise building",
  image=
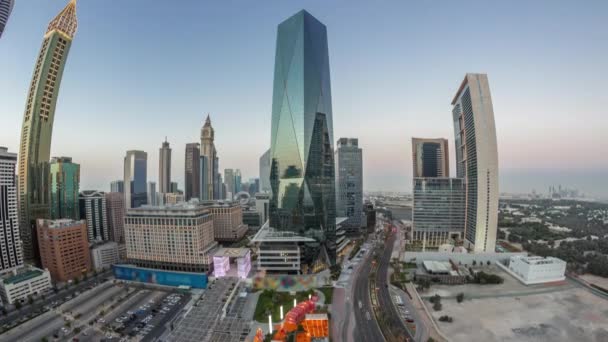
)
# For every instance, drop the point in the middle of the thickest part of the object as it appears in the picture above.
(23, 282)
(104, 255)
(536, 269)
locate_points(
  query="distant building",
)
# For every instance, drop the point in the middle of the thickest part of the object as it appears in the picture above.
(11, 254)
(64, 248)
(174, 188)
(208, 150)
(93, 210)
(252, 219)
(136, 170)
(438, 210)
(536, 269)
(152, 194)
(117, 186)
(115, 210)
(104, 255)
(203, 169)
(238, 181)
(65, 185)
(164, 168)
(6, 7)
(262, 206)
(173, 198)
(430, 158)
(23, 282)
(172, 237)
(230, 185)
(349, 184)
(265, 172)
(477, 160)
(370, 216)
(192, 172)
(228, 222)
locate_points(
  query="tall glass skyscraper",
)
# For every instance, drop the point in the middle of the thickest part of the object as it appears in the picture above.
(265, 172)
(37, 129)
(477, 160)
(191, 171)
(164, 168)
(65, 187)
(302, 160)
(349, 183)
(136, 171)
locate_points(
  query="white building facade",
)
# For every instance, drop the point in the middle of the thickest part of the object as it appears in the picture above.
(104, 255)
(537, 270)
(11, 254)
(23, 282)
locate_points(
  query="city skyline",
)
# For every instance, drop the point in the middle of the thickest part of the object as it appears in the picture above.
(522, 105)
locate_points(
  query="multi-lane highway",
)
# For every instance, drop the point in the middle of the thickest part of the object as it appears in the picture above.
(367, 328)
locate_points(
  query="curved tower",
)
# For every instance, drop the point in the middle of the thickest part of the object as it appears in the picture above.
(37, 129)
(301, 149)
(6, 7)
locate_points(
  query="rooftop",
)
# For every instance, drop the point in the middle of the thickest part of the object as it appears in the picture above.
(28, 274)
(60, 223)
(231, 252)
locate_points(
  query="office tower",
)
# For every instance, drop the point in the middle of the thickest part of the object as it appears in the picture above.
(349, 183)
(192, 172)
(115, 209)
(152, 198)
(254, 186)
(238, 181)
(203, 169)
(438, 210)
(93, 210)
(117, 186)
(11, 254)
(230, 185)
(228, 222)
(302, 160)
(430, 157)
(217, 179)
(208, 150)
(164, 168)
(262, 206)
(175, 237)
(65, 187)
(220, 192)
(6, 7)
(136, 169)
(265, 172)
(174, 188)
(477, 160)
(37, 129)
(64, 248)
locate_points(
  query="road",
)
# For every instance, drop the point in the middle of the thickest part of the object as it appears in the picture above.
(367, 329)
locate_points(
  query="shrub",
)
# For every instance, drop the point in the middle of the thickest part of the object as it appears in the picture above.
(437, 306)
(435, 299)
(446, 318)
(460, 297)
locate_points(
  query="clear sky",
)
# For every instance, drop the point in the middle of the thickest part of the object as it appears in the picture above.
(140, 70)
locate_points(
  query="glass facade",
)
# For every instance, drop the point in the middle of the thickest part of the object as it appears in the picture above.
(136, 167)
(192, 172)
(349, 183)
(302, 161)
(65, 184)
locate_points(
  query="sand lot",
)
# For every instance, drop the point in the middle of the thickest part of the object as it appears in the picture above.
(569, 314)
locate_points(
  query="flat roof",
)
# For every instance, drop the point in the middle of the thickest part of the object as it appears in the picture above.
(21, 277)
(269, 234)
(436, 266)
(231, 252)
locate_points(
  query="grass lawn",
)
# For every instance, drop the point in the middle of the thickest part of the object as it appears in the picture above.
(328, 292)
(271, 301)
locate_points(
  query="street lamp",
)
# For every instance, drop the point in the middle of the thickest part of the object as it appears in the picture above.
(281, 312)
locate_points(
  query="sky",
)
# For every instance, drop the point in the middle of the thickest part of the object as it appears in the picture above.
(140, 70)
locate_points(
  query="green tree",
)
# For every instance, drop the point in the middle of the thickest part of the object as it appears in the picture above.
(18, 305)
(460, 297)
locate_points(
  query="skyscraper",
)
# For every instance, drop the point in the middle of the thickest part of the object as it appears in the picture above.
(238, 181)
(349, 183)
(152, 195)
(229, 181)
(37, 129)
(164, 168)
(302, 160)
(93, 210)
(117, 186)
(6, 7)
(65, 186)
(115, 210)
(430, 157)
(136, 170)
(477, 160)
(265, 172)
(203, 169)
(208, 150)
(11, 254)
(192, 172)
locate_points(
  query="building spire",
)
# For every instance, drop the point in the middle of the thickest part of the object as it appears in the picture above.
(208, 120)
(65, 22)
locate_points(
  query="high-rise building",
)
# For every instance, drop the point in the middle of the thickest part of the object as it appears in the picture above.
(208, 150)
(438, 210)
(238, 181)
(265, 172)
(115, 209)
(192, 171)
(164, 168)
(302, 160)
(477, 160)
(349, 184)
(174, 237)
(117, 186)
(64, 248)
(217, 179)
(136, 170)
(93, 210)
(65, 187)
(228, 222)
(37, 129)
(203, 169)
(430, 157)
(220, 188)
(6, 7)
(230, 185)
(11, 254)
(152, 194)
(174, 188)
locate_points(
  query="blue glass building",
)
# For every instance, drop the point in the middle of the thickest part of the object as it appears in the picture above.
(135, 179)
